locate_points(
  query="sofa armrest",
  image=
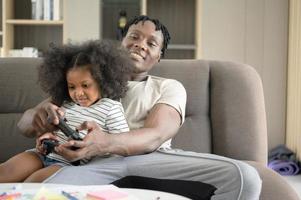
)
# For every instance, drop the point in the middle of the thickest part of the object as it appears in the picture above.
(274, 186)
(237, 112)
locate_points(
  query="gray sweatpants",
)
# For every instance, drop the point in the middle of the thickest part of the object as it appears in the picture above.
(233, 179)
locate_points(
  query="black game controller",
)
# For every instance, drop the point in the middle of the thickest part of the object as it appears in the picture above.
(48, 145)
(69, 132)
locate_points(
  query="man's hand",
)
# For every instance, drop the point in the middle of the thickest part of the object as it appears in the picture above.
(46, 117)
(41, 119)
(95, 143)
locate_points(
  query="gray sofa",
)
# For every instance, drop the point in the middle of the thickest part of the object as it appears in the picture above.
(225, 112)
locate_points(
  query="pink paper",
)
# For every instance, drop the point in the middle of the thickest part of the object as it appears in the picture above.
(108, 194)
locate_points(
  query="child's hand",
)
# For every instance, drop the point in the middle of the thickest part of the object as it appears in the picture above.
(39, 145)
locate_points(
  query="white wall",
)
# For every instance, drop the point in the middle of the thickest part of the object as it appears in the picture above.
(253, 32)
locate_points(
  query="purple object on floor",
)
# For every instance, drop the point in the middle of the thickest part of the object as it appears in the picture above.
(285, 168)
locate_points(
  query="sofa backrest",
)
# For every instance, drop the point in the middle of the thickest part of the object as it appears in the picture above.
(225, 106)
(225, 111)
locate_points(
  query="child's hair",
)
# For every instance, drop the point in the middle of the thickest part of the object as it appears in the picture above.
(109, 65)
(159, 27)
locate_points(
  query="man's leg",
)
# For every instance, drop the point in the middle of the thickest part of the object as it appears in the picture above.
(233, 179)
(97, 172)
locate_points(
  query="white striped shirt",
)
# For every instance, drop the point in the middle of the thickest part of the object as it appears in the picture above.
(107, 113)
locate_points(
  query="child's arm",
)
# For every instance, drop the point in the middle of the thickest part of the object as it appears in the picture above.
(39, 140)
(115, 121)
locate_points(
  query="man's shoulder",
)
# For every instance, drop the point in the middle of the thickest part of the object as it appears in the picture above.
(158, 79)
(165, 82)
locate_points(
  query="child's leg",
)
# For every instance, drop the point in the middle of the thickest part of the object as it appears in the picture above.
(42, 174)
(19, 167)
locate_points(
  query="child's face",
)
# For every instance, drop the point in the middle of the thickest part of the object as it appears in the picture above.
(83, 89)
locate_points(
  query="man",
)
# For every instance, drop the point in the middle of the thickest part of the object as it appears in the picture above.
(155, 110)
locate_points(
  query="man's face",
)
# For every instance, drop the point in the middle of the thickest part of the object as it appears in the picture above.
(144, 44)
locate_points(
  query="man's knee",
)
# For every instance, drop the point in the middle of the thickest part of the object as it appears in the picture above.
(237, 180)
(251, 185)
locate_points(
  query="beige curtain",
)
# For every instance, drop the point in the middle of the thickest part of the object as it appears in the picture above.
(293, 124)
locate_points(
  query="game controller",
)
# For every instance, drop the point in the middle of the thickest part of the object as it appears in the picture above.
(48, 145)
(69, 132)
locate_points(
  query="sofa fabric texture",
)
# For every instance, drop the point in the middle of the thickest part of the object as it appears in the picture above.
(225, 112)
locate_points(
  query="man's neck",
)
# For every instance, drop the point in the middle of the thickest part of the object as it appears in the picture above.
(140, 77)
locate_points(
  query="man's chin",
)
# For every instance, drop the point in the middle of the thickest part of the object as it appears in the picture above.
(138, 68)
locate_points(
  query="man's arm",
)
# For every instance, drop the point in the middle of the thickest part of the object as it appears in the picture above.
(40, 119)
(25, 123)
(162, 123)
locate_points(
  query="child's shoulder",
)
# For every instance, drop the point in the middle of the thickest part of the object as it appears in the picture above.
(109, 102)
(109, 105)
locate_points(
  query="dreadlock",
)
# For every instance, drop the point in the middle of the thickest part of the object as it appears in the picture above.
(158, 24)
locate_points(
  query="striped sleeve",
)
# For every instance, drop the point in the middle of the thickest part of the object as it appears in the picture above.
(115, 121)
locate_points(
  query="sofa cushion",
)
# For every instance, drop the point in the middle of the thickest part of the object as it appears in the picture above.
(19, 91)
(11, 140)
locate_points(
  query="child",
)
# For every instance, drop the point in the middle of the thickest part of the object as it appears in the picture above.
(86, 80)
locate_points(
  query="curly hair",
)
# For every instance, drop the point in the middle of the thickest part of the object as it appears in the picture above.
(109, 65)
(159, 27)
